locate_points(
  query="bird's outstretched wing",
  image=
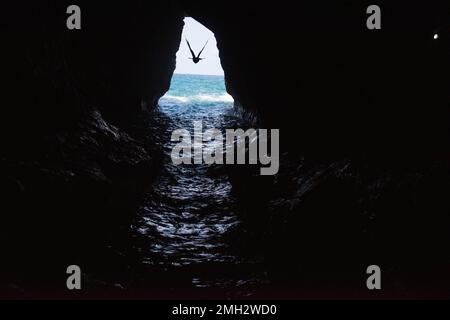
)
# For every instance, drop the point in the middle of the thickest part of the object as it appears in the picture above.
(202, 49)
(190, 49)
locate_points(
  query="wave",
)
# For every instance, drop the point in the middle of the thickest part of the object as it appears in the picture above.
(172, 99)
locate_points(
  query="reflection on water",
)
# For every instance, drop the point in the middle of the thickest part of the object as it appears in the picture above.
(188, 224)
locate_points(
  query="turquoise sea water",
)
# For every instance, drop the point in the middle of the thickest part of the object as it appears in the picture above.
(196, 90)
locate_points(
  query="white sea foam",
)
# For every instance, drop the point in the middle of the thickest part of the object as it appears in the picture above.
(172, 99)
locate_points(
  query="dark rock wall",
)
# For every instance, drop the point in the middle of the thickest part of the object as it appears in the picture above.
(122, 57)
(363, 118)
(315, 70)
(72, 169)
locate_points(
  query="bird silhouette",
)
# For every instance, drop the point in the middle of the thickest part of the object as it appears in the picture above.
(196, 58)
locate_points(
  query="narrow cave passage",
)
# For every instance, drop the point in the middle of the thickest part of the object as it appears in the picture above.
(189, 231)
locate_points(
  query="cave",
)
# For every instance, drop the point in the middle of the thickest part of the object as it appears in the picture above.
(363, 177)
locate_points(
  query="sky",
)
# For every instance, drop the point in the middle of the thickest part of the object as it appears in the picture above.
(197, 34)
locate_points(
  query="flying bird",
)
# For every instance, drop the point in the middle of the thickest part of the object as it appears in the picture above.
(196, 58)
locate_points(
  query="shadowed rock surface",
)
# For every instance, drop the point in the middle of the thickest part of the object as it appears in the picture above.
(363, 116)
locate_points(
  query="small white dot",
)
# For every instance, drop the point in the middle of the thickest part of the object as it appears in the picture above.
(436, 36)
